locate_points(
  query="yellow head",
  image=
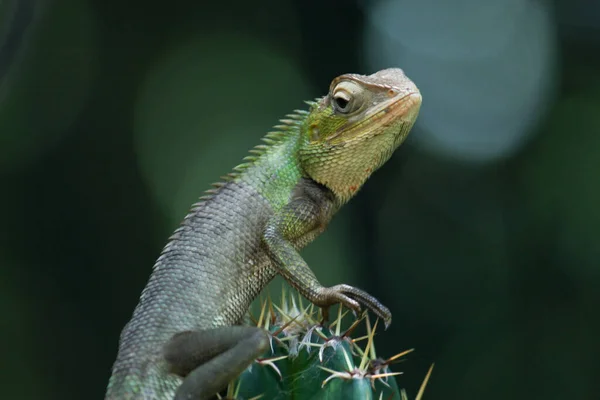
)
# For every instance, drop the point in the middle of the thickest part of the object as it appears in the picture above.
(356, 127)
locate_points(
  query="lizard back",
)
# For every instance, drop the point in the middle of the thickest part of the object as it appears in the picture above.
(213, 266)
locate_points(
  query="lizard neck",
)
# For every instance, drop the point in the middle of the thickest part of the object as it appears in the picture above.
(344, 168)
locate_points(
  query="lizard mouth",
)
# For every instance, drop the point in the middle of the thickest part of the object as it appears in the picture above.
(406, 107)
(401, 112)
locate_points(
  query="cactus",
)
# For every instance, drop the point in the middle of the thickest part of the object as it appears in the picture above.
(309, 361)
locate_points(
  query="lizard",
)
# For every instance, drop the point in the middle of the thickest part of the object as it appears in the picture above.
(185, 339)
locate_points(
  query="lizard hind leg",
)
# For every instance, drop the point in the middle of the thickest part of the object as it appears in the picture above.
(210, 359)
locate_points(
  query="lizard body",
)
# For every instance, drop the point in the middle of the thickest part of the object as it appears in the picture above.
(184, 340)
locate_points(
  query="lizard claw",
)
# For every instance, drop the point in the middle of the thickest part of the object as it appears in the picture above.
(354, 297)
(325, 297)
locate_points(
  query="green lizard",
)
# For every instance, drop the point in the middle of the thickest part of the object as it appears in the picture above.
(185, 340)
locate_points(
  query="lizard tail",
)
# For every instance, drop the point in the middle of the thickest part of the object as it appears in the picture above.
(147, 383)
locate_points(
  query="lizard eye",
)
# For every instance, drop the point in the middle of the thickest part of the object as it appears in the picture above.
(341, 102)
(346, 97)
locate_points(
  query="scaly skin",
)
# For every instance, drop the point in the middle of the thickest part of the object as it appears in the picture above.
(183, 341)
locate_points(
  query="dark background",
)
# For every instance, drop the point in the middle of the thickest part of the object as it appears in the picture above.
(481, 234)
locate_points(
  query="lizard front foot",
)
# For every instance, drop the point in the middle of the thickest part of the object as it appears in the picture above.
(352, 298)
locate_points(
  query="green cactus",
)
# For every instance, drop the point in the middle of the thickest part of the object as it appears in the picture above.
(311, 361)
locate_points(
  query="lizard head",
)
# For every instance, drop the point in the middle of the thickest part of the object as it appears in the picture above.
(356, 127)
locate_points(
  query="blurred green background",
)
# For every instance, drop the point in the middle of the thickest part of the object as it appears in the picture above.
(481, 234)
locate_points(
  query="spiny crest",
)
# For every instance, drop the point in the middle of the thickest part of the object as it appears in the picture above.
(289, 124)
